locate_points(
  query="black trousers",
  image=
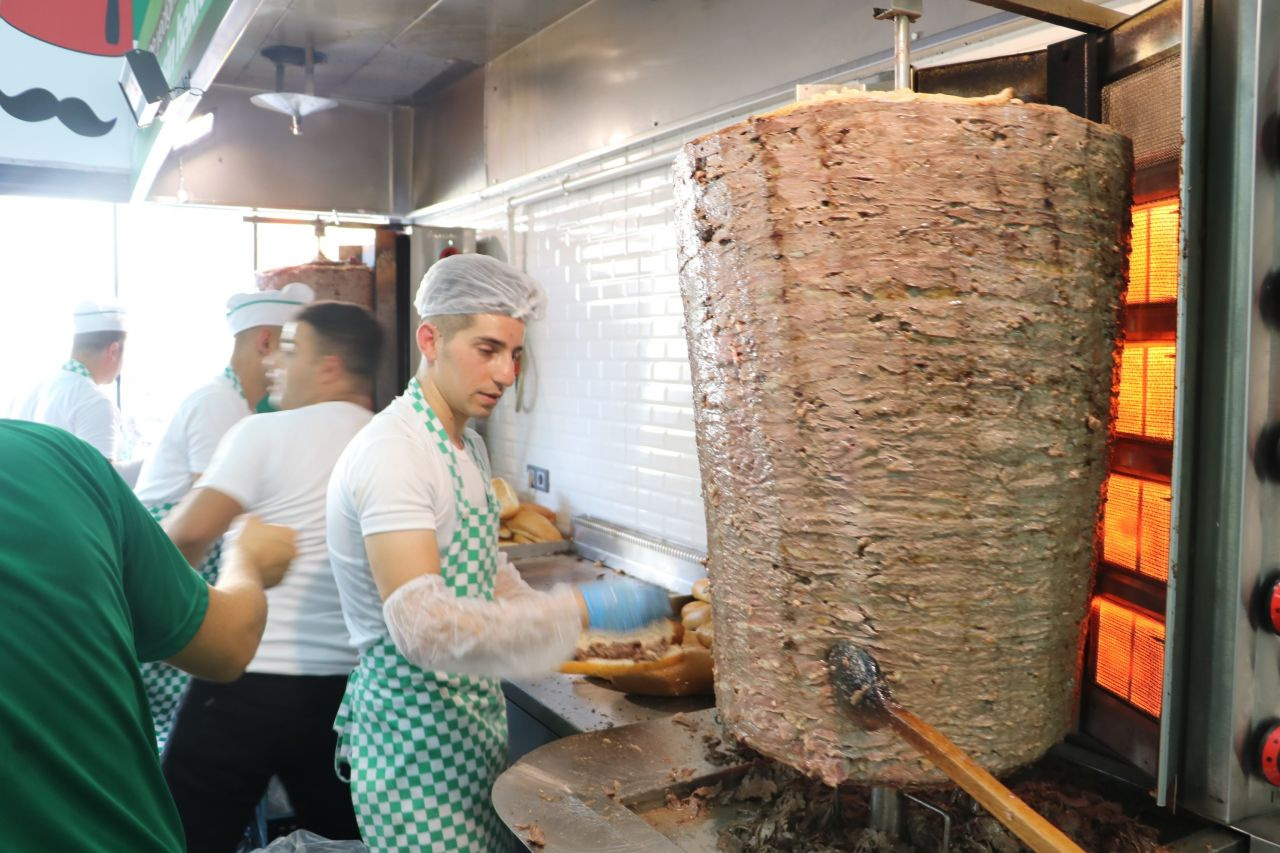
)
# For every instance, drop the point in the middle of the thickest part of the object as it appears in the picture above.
(229, 740)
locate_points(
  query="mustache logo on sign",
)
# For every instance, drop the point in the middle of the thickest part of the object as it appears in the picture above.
(36, 105)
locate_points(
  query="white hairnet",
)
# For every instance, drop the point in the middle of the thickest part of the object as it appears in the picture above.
(478, 284)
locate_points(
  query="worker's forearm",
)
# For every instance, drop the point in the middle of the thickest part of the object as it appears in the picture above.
(518, 636)
(195, 550)
(199, 521)
(244, 610)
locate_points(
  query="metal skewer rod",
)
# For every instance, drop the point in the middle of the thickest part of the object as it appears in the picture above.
(902, 52)
(902, 13)
(861, 692)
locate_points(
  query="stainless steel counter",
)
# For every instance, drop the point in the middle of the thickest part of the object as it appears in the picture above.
(606, 791)
(544, 572)
(571, 704)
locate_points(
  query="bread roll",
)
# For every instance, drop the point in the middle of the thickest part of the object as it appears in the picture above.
(608, 653)
(705, 634)
(508, 503)
(695, 614)
(691, 675)
(533, 525)
(546, 512)
(611, 668)
(702, 589)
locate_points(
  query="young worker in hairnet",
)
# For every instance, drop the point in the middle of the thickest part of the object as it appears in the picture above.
(437, 614)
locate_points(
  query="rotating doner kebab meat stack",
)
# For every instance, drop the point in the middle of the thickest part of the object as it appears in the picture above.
(344, 281)
(902, 314)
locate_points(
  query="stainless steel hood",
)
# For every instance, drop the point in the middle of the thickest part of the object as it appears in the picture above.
(387, 51)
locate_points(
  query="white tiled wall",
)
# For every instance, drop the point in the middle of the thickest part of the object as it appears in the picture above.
(611, 412)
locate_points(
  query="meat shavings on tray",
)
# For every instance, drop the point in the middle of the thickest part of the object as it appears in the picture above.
(636, 650)
(787, 811)
(533, 834)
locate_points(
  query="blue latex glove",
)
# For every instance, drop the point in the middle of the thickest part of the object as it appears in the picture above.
(618, 605)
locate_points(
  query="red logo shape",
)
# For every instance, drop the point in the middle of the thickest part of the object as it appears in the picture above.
(99, 27)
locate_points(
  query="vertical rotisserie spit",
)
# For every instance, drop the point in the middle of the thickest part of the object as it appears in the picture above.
(902, 314)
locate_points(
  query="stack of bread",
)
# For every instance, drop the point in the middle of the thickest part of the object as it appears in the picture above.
(523, 523)
(666, 659)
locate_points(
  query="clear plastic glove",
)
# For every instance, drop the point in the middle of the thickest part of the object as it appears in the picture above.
(523, 634)
(269, 548)
(508, 583)
(624, 605)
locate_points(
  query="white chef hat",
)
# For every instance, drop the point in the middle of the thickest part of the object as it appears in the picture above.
(478, 284)
(267, 307)
(91, 316)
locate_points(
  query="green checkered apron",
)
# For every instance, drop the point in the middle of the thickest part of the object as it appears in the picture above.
(163, 683)
(425, 747)
(74, 366)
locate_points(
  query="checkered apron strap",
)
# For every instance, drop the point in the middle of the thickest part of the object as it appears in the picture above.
(73, 366)
(164, 684)
(344, 726)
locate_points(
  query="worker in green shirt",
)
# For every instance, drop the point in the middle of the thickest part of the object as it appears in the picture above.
(92, 586)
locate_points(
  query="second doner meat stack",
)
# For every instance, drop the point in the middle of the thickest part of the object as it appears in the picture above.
(902, 315)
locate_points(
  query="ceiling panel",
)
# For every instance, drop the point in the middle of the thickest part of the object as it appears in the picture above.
(385, 51)
(394, 78)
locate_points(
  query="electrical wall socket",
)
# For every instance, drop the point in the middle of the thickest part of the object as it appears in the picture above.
(539, 479)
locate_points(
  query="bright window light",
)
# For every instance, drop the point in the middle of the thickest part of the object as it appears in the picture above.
(57, 253)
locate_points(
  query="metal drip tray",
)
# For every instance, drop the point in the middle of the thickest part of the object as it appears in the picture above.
(606, 790)
(625, 790)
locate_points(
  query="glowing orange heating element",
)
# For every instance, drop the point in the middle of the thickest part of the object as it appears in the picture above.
(1153, 261)
(1135, 526)
(1146, 390)
(1128, 645)
(1130, 660)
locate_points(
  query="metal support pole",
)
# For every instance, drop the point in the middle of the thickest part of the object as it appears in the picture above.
(902, 52)
(886, 811)
(902, 13)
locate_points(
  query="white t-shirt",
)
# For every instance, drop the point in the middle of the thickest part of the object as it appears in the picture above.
(72, 402)
(391, 477)
(189, 441)
(277, 467)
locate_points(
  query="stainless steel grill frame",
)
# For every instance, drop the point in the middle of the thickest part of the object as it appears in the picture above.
(1222, 669)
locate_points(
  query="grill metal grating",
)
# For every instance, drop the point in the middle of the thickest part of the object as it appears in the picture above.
(1153, 263)
(1146, 393)
(1136, 526)
(1147, 107)
(1130, 660)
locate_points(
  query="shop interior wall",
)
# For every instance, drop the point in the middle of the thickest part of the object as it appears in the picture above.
(448, 142)
(612, 413)
(607, 406)
(615, 69)
(344, 160)
(608, 409)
